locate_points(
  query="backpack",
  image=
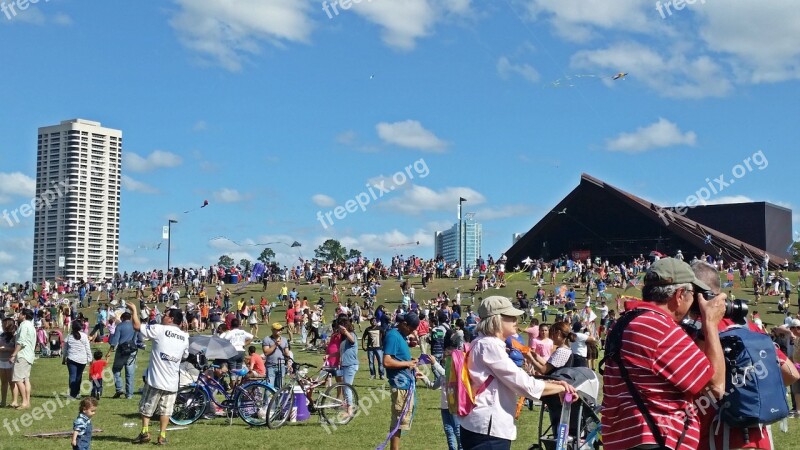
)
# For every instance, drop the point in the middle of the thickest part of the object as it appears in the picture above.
(754, 391)
(458, 389)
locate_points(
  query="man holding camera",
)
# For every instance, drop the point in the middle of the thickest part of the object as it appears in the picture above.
(651, 405)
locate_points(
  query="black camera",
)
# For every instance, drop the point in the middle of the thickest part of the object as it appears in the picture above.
(736, 310)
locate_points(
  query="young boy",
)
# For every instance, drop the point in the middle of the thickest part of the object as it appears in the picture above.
(96, 374)
(82, 427)
(256, 367)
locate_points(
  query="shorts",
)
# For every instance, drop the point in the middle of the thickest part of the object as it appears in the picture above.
(591, 350)
(156, 402)
(6, 365)
(22, 370)
(398, 403)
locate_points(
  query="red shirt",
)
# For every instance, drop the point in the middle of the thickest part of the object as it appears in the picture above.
(257, 364)
(667, 369)
(96, 369)
(290, 315)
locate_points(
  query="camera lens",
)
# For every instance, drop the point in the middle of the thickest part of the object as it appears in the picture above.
(736, 310)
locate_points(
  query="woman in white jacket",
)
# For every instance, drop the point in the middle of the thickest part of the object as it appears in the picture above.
(77, 354)
(490, 425)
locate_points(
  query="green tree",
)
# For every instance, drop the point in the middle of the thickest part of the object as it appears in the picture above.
(331, 250)
(246, 264)
(266, 255)
(354, 254)
(225, 261)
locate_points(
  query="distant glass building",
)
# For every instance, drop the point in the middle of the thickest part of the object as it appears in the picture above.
(462, 242)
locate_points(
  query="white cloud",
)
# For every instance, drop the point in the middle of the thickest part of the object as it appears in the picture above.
(502, 212)
(763, 37)
(348, 137)
(658, 135)
(323, 201)
(727, 199)
(410, 134)
(225, 31)
(405, 21)
(576, 21)
(228, 195)
(6, 258)
(156, 160)
(200, 125)
(418, 199)
(506, 68)
(137, 186)
(16, 184)
(670, 74)
(62, 19)
(390, 242)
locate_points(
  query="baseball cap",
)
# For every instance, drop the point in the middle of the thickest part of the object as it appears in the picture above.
(668, 271)
(277, 326)
(411, 319)
(497, 305)
(795, 323)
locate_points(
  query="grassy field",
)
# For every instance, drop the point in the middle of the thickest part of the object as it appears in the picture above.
(366, 431)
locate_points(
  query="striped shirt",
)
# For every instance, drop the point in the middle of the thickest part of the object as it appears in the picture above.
(667, 369)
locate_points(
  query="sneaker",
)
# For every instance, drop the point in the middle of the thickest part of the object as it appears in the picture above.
(161, 441)
(118, 394)
(372, 377)
(143, 438)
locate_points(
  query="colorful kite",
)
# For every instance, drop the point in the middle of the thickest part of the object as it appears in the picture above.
(620, 76)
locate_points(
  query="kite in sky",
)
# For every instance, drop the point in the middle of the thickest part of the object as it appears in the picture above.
(708, 239)
(205, 203)
(404, 245)
(619, 76)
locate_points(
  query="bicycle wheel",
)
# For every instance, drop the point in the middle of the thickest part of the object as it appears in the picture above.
(280, 407)
(338, 404)
(251, 402)
(190, 404)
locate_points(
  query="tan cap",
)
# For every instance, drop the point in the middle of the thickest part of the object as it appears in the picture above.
(497, 305)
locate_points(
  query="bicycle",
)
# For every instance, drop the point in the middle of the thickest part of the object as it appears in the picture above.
(248, 400)
(337, 405)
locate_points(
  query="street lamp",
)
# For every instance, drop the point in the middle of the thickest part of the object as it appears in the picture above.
(169, 236)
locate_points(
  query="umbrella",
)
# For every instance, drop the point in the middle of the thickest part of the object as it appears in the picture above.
(214, 347)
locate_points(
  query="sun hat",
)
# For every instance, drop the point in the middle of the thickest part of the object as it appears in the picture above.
(277, 326)
(497, 305)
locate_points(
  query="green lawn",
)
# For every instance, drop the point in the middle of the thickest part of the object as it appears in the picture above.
(365, 432)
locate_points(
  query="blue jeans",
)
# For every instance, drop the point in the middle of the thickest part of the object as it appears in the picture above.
(130, 369)
(377, 354)
(452, 430)
(349, 375)
(75, 377)
(275, 376)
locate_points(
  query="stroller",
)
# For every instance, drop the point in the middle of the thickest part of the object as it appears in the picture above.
(55, 341)
(584, 427)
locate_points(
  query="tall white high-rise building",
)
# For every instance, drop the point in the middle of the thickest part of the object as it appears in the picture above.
(78, 178)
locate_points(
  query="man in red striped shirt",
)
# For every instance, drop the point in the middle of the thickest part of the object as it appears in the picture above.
(667, 369)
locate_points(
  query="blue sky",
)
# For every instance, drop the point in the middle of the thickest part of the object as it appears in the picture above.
(272, 111)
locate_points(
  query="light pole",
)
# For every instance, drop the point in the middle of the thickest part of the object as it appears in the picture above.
(169, 247)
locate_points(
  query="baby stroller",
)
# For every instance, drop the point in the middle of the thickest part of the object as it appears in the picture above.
(584, 427)
(55, 341)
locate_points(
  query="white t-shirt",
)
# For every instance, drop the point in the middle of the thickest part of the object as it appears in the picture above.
(603, 312)
(237, 337)
(170, 345)
(579, 346)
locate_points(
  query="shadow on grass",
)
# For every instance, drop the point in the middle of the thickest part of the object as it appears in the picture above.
(108, 438)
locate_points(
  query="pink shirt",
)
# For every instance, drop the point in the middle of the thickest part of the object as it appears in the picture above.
(543, 347)
(333, 350)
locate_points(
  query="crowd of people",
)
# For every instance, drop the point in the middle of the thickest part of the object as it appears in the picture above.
(565, 325)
